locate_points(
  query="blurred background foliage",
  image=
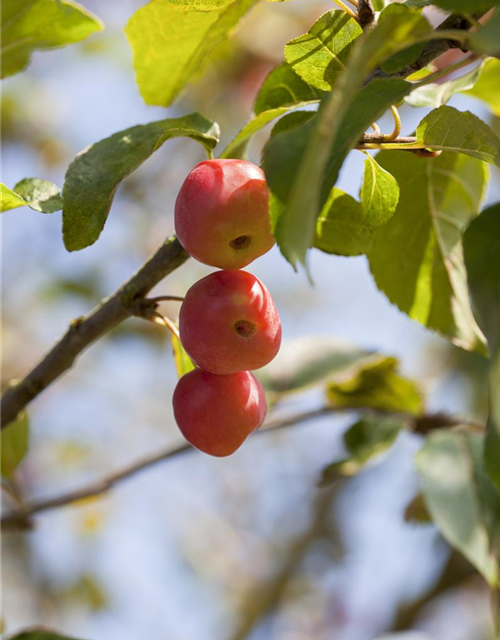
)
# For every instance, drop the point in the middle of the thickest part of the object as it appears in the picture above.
(241, 548)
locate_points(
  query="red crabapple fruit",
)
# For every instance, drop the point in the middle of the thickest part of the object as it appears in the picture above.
(228, 323)
(222, 213)
(215, 413)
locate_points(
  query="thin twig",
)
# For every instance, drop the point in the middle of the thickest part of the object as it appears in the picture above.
(164, 321)
(347, 9)
(444, 38)
(84, 331)
(166, 299)
(20, 518)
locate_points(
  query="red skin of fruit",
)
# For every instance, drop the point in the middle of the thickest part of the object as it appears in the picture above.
(222, 213)
(216, 414)
(228, 323)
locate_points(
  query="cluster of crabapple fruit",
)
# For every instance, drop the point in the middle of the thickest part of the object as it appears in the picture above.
(228, 323)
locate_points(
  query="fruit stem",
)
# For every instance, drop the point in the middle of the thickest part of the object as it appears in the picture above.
(167, 299)
(397, 125)
(163, 321)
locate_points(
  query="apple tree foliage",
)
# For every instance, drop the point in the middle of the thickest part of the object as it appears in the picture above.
(419, 219)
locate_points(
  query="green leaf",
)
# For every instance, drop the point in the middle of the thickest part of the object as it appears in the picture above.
(292, 120)
(237, 148)
(319, 55)
(40, 634)
(368, 438)
(40, 195)
(379, 193)
(171, 43)
(437, 94)
(482, 259)
(283, 88)
(93, 177)
(302, 184)
(462, 501)
(285, 152)
(344, 226)
(280, 92)
(377, 385)
(416, 258)
(14, 445)
(446, 129)
(486, 87)
(486, 39)
(9, 199)
(341, 228)
(407, 55)
(28, 25)
(308, 361)
(183, 363)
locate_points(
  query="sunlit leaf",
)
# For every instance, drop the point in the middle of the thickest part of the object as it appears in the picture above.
(379, 193)
(319, 55)
(486, 87)
(92, 178)
(9, 200)
(28, 25)
(341, 228)
(416, 258)
(172, 41)
(436, 94)
(345, 226)
(447, 129)
(183, 363)
(463, 503)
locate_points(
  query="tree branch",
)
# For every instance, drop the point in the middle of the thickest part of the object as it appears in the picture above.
(84, 331)
(432, 49)
(20, 518)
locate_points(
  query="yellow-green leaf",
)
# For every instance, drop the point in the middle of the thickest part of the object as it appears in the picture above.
(183, 363)
(171, 42)
(28, 25)
(319, 55)
(9, 200)
(377, 385)
(14, 444)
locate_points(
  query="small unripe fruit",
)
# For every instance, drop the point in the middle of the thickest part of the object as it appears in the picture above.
(215, 413)
(222, 213)
(228, 323)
